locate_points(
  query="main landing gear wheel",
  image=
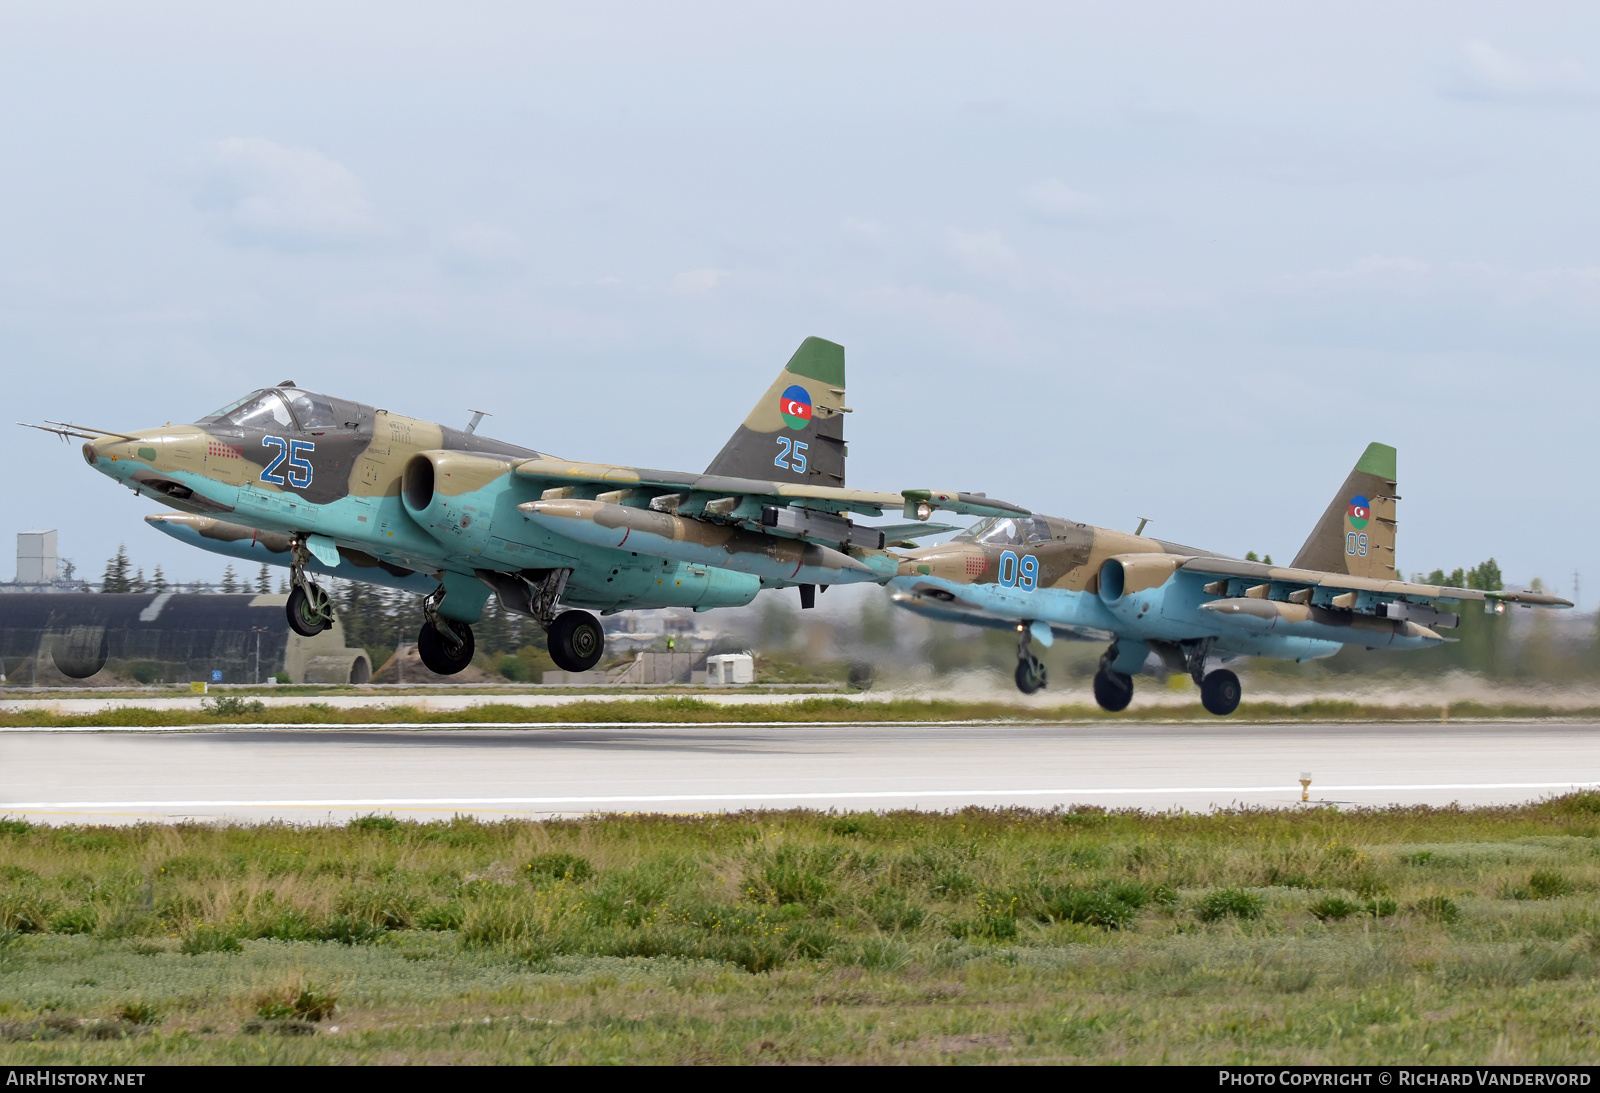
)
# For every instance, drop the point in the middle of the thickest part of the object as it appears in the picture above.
(1112, 690)
(576, 641)
(1031, 676)
(445, 647)
(1220, 692)
(309, 609)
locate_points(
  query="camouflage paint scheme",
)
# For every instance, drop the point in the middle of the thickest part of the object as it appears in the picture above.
(1180, 606)
(326, 485)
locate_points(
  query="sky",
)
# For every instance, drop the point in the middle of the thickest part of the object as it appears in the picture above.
(1108, 261)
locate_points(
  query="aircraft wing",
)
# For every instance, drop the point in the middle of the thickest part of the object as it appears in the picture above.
(1342, 590)
(735, 499)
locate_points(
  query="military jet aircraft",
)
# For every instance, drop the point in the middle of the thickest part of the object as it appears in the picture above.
(1047, 577)
(325, 485)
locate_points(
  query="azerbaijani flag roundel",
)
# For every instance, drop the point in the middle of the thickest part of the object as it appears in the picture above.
(1359, 512)
(795, 406)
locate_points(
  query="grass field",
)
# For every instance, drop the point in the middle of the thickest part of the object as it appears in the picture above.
(1404, 935)
(235, 709)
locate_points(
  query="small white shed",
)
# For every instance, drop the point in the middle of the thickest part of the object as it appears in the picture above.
(727, 669)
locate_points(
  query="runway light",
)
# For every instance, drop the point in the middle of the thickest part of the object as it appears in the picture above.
(1305, 785)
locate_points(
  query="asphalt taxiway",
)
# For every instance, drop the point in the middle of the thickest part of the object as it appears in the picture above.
(319, 775)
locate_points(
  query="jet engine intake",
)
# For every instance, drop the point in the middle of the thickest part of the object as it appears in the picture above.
(444, 493)
(1126, 574)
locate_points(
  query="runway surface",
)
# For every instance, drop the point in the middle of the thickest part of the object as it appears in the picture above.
(310, 775)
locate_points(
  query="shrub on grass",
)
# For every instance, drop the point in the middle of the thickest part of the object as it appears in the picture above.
(1112, 905)
(24, 914)
(209, 939)
(1441, 909)
(1542, 884)
(299, 1002)
(75, 920)
(545, 868)
(1333, 909)
(138, 1012)
(1230, 903)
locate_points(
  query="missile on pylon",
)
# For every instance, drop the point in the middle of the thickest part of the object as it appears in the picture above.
(251, 545)
(701, 542)
(1297, 620)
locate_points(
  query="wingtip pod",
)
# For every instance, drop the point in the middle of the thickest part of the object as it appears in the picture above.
(1528, 599)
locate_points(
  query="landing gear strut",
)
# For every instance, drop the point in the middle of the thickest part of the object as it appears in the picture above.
(1113, 690)
(1219, 690)
(576, 641)
(1031, 676)
(575, 638)
(445, 645)
(309, 609)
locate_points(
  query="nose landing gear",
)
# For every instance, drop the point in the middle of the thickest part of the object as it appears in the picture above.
(309, 609)
(1031, 676)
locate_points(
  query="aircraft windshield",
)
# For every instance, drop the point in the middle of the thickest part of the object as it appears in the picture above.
(257, 410)
(311, 409)
(279, 408)
(1006, 531)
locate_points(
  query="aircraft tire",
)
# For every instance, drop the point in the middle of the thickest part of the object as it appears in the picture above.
(1220, 692)
(436, 653)
(1031, 676)
(308, 615)
(1113, 690)
(576, 641)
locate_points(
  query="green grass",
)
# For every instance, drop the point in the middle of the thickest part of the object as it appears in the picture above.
(1442, 935)
(681, 709)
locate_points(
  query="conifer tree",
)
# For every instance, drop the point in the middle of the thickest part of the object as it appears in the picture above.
(115, 578)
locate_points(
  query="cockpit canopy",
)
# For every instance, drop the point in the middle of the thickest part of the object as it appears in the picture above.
(1007, 531)
(275, 409)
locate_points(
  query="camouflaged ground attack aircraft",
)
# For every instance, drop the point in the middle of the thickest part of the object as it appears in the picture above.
(1186, 608)
(323, 485)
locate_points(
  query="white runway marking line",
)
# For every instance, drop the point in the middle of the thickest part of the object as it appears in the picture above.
(678, 798)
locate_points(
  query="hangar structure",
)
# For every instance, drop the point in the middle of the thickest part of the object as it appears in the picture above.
(167, 637)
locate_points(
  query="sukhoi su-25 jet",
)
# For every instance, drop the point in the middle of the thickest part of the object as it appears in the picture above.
(328, 486)
(1046, 577)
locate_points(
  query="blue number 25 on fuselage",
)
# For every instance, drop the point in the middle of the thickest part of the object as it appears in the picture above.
(292, 450)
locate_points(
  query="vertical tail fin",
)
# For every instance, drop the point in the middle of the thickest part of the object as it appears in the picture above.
(1356, 533)
(795, 433)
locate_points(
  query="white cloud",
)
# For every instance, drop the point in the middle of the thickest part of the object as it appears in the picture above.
(987, 254)
(1053, 200)
(1577, 287)
(263, 193)
(698, 282)
(1484, 72)
(480, 248)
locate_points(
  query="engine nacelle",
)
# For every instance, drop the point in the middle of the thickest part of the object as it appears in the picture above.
(444, 492)
(1127, 574)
